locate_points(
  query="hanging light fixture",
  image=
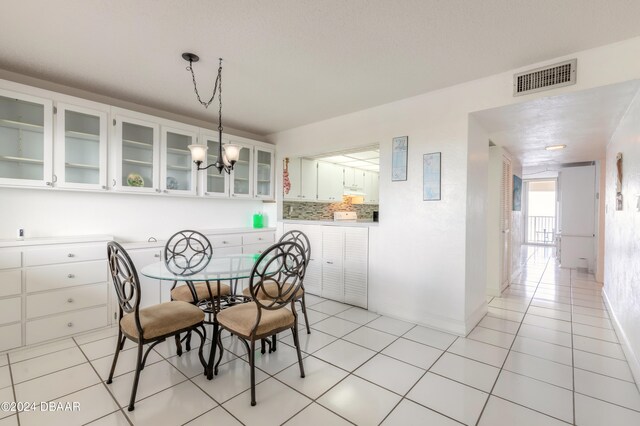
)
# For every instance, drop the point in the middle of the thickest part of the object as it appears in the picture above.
(227, 158)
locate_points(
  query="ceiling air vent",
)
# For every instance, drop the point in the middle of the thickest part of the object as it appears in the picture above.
(539, 79)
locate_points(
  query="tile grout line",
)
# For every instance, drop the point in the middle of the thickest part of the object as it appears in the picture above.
(573, 362)
(103, 384)
(13, 388)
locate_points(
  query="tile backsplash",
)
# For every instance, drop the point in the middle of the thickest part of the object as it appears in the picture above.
(324, 211)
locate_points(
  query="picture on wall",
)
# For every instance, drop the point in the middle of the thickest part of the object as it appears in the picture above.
(431, 177)
(517, 194)
(399, 151)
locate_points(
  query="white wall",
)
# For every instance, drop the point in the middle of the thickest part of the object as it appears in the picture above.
(424, 248)
(128, 217)
(622, 238)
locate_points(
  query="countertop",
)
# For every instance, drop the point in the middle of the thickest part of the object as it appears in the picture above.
(360, 222)
(54, 240)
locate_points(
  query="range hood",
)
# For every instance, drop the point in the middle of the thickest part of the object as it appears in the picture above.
(353, 192)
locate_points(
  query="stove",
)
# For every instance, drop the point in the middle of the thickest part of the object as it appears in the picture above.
(345, 217)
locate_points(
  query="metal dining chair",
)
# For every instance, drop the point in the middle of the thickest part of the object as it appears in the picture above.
(150, 325)
(278, 273)
(186, 253)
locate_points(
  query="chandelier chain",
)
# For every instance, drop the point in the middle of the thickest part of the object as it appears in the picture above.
(219, 84)
(195, 85)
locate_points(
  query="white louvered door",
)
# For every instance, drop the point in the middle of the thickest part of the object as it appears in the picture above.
(332, 263)
(356, 255)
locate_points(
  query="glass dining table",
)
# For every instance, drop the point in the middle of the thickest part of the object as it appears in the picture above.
(212, 271)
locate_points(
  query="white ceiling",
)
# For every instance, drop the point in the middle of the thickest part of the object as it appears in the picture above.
(584, 121)
(365, 160)
(292, 62)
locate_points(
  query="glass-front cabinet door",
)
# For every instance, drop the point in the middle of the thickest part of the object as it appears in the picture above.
(263, 173)
(26, 142)
(81, 147)
(242, 174)
(136, 155)
(178, 174)
(215, 184)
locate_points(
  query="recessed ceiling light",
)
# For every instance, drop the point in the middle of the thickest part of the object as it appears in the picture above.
(554, 147)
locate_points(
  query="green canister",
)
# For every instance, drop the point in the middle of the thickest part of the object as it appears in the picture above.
(258, 220)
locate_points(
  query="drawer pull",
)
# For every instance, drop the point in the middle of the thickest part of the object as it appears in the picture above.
(225, 242)
(259, 238)
(156, 255)
(330, 263)
(70, 324)
(70, 300)
(71, 276)
(71, 255)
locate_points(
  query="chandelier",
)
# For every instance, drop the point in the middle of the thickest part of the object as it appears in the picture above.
(227, 158)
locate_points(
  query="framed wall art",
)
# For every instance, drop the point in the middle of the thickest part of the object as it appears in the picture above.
(431, 177)
(399, 151)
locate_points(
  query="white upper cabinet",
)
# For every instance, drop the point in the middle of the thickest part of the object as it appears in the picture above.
(371, 187)
(242, 174)
(215, 184)
(330, 182)
(263, 173)
(354, 179)
(26, 140)
(80, 147)
(309, 180)
(178, 172)
(136, 151)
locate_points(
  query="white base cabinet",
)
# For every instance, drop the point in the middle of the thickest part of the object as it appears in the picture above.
(338, 269)
(51, 288)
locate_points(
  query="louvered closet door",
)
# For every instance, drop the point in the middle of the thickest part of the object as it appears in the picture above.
(506, 195)
(332, 263)
(313, 275)
(356, 255)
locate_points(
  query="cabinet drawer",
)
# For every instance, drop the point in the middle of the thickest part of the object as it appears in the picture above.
(65, 324)
(10, 282)
(10, 337)
(226, 251)
(255, 248)
(66, 300)
(10, 310)
(65, 275)
(220, 241)
(10, 259)
(65, 253)
(259, 238)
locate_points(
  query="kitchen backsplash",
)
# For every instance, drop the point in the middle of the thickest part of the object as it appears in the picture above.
(324, 211)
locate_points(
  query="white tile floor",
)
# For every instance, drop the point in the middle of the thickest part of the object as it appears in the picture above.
(545, 354)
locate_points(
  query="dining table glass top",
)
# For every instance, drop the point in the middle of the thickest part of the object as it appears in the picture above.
(230, 267)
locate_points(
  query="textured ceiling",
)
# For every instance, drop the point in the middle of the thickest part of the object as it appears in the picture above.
(584, 121)
(292, 62)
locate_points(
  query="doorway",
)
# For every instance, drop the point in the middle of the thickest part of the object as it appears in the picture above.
(541, 207)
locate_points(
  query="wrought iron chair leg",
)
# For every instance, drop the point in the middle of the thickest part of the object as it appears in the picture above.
(178, 345)
(212, 353)
(252, 365)
(304, 312)
(262, 346)
(215, 371)
(188, 344)
(137, 376)
(274, 338)
(203, 339)
(294, 331)
(119, 346)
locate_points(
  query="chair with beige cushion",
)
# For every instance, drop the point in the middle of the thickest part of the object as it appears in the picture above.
(150, 325)
(186, 253)
(278, 273)
(300, 238)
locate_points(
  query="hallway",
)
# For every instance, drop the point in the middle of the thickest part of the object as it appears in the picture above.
(564, 359)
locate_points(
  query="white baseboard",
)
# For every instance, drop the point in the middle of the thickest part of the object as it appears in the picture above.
(632, 358)
(446, 324)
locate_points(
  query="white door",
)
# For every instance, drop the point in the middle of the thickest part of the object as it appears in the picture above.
(26, 140)
(506, 195)
(356, 262)
(332, 263)
(81, 147)
(177, 171)
(242, 174)
(330, 182)
(263, 173)
(371, 187)
(577, 186)
(215, 184)
(309, 180)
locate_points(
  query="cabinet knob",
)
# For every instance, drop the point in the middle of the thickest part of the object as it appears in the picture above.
(259, 238)
(225, 242)
(69, 324)
(71, 276)
(70, 300)
(166, 191)
(114, 183)
(156, 255)
(158, 190)
(71, 255)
